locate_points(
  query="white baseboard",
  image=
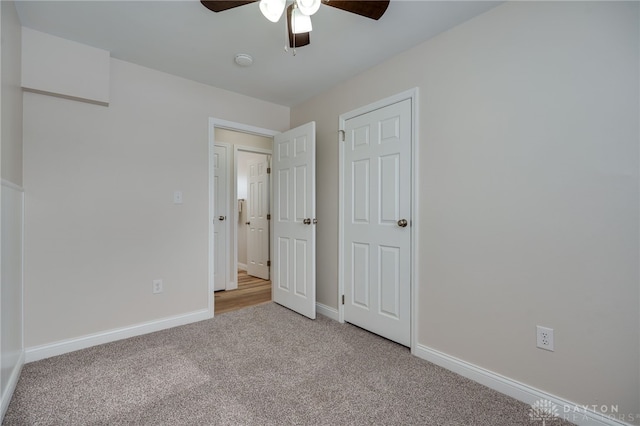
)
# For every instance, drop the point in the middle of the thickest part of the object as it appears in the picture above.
(11, 386)
(242, 266)
(327, 311)
(573, 412)
(36, 353)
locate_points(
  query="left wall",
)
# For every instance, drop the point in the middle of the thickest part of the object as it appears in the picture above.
(11, 317)
(100, 219)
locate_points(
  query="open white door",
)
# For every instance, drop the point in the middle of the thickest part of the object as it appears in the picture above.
(294, 209)
(258, 235)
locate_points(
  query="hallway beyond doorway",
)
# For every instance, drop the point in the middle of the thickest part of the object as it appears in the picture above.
(251, 291)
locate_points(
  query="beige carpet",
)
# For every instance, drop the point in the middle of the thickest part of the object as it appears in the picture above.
(263, 365)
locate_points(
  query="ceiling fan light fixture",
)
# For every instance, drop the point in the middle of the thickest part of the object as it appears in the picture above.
(272, 9)
(308, 7)
(301, 23)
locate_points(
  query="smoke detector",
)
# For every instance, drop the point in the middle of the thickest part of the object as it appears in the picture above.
(243, 59)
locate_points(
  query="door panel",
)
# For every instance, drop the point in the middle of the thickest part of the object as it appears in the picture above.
(389, 280)
(220, 226)
(294, 231)
(360, 278)
(258, 235)
(377, 180)
(282, 269)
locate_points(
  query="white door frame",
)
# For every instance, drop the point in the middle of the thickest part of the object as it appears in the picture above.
(239, 127)
(411, 94)
(252, 150)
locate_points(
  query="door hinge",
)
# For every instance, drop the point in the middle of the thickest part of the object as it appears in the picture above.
(343, 299)
(342, 133)
(268, 216)
(268, 170)
(268, 263)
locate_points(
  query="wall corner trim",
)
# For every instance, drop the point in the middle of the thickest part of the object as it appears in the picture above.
(48, 350)
(520, 391)
(68, 97)
(11, 386)
(12, 185)
(327, 311)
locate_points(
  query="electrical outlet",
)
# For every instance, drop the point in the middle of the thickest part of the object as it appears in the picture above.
(544, 338)
(157, 286)
(177, 197)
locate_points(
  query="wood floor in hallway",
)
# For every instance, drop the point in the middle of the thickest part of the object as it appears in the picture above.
(251, 291)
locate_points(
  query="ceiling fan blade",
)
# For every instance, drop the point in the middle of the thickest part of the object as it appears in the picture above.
(301, 39)
(221, 5)
(373, 9)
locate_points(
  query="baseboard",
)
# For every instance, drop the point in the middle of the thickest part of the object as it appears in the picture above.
(242, 266)
(36, 353)
(11, 386)
(573, 412)
(327, 311)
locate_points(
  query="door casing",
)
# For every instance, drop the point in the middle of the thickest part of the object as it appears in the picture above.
(239, 127)
(411, 94)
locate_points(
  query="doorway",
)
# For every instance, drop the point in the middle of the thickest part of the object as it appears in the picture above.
(293, 210)
(253, 213)
(252, 230)
(239, 139)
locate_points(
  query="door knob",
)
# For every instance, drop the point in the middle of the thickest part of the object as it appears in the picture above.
(307, 221)
(247, 223)
(402, 223)
(222, 217)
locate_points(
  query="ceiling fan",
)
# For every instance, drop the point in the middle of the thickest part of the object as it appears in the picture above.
(300, 11)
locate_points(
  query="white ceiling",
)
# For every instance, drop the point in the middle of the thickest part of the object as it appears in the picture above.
(186, 39)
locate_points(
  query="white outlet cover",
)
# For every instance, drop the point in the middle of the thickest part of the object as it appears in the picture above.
(156, 286)
(544, 338)
(177, 197)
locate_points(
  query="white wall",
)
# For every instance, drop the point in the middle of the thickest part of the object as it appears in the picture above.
(59, 67)
(528, 192)
(100, 221)
(11, 212)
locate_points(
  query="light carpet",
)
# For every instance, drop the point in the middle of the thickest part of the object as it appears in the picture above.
(263, 365)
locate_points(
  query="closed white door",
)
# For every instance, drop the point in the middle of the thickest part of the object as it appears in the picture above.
(220, 222)
(258, 230)
(294, 230)
(377, 207)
